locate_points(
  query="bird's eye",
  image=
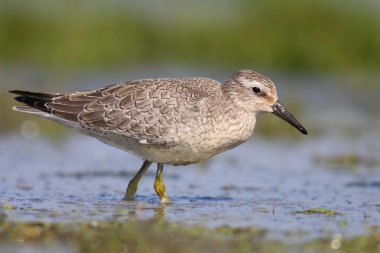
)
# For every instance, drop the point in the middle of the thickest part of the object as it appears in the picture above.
(256, 90)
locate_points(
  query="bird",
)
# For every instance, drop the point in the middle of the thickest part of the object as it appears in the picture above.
(175, 121)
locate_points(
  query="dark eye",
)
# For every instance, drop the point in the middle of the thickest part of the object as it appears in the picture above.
(256, 90)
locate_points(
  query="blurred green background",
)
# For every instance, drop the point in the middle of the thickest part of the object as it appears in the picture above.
(317, 35)
(56, 42)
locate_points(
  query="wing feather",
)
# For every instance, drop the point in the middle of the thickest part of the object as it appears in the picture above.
(150, 111)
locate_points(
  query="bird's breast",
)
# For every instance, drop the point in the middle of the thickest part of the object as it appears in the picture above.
(196, 142)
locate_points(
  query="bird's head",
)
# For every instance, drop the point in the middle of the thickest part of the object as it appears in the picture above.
(256, 93)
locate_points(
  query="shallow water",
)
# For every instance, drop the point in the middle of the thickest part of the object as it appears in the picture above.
(266, 182)
(261, 183)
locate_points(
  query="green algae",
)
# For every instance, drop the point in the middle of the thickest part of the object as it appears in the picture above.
(161, 236)
(350, 161)
(318, 211)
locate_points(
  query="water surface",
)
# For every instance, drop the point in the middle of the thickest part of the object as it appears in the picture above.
(266, 183)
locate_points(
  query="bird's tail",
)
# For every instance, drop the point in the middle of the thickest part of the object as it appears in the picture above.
(35, 102)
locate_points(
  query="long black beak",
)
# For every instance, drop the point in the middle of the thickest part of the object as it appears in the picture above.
(280, 111)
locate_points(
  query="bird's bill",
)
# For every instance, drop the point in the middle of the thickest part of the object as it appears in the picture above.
(280, 111)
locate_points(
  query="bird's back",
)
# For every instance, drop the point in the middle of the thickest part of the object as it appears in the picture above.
(159, 112)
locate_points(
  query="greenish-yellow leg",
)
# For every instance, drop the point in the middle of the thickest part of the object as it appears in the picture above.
(159, 185)
(132, 185)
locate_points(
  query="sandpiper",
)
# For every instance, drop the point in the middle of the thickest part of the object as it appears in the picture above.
(176, 121)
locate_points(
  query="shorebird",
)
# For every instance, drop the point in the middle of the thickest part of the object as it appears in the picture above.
(176, 121)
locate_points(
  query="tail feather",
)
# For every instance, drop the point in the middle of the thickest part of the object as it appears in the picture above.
(34, 100)
(28, 109)
(46, 105)
(37, 95)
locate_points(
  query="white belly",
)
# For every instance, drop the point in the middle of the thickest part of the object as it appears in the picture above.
(179, 154)
(194, 147)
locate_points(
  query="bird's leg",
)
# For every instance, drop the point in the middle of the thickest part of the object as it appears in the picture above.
(159, 185)
(132, 185)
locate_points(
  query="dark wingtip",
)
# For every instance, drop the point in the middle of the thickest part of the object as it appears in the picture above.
(37, 95)
(19, 98)
(33, 99)
(18, 92)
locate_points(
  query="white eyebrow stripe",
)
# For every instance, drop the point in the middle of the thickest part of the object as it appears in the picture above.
(255, 83)
(251, 83)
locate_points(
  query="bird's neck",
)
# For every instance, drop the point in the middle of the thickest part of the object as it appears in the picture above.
(242, 122)
(233, 96)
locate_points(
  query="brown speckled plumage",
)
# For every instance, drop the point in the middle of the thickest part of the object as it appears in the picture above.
(152, 110)
(169, 121)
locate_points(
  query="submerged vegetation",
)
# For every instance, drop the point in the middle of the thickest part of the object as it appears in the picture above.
(349, 161)
(318, 210)
(159, 236)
